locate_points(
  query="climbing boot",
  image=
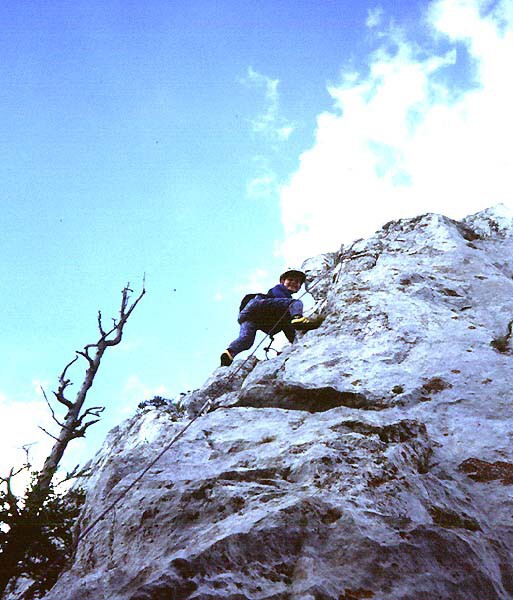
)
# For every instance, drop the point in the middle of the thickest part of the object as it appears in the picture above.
(226, 359)
(301, 323)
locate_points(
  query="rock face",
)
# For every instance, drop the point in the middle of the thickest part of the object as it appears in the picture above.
(373, 458)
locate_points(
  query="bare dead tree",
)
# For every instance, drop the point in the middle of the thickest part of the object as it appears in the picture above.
(23, 513)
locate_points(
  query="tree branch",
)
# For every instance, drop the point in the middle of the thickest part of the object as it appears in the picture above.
(75, 473)
(100, 326)
(80, 432)
(63, 384)
(94, 411)
(48, 433)
(86, 355)
(124, 314)
(11, 498)
(51, 409)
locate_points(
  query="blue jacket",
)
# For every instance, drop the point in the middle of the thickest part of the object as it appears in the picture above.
(268, 317)
(279, 291)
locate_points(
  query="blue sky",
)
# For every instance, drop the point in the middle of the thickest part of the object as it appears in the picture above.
(208, 145)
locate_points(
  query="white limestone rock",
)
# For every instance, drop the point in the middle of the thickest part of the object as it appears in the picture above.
(371, 459)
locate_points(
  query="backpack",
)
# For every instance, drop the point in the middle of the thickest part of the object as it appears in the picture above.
(247, 298)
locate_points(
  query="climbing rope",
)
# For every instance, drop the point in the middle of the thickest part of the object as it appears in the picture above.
(268, 348)
(181, 433)
(122, 494)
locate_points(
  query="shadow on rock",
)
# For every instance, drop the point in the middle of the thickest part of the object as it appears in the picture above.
(295, 397)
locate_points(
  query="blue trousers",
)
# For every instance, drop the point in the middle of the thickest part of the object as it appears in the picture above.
(251, 317)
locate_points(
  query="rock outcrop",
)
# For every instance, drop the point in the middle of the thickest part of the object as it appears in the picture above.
(373, 458)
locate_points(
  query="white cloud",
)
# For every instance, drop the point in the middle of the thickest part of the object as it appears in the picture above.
(273, 128)
(374, 17)
(403, 140)
(260, 280)
(262, 186)
(269, 123)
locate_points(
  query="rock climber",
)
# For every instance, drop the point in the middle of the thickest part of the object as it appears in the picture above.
(271, 313)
